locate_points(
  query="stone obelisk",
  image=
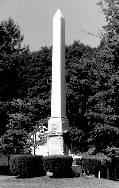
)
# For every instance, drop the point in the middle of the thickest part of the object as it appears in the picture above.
(58, 123)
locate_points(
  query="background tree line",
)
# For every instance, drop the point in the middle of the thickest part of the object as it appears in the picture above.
(92, 77)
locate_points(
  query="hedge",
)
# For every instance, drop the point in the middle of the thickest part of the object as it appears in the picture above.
(92, 164)
(27, 166)
(4, 170)
(59, 165)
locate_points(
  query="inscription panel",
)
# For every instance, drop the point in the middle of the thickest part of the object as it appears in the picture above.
(55, 145)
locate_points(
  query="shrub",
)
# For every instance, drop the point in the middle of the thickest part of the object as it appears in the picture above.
(4, 170)
(4, 164)
(59, 165)
(92, 164)
(76, 171)
(26, 165)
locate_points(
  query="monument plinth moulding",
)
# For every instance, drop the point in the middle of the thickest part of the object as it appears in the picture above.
(58, 123)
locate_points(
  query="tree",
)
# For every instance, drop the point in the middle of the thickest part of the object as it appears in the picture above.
(23, 117)
(78, 83)
(103, 137)
(11, 38)
(14, 141)
(110, 9)
(10, 48)
(39, 73)
(102, 106)
(76, 138)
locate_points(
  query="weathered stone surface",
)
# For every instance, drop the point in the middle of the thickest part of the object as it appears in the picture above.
(55, 145)
(58, 99)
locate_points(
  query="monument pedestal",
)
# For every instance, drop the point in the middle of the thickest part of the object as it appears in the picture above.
(56, 128)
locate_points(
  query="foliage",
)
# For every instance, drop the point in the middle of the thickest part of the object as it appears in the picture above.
(103, 137)
(10, 48)
(102, 105)
(22, 119)
(112, 152)
(14, 141)
(34, 73)
(92, 164)
(39, 135)
(26, 166)
(110, 9)
(78, 83)
(58, 165)
(76, 136)
(11, 37)
(77, 170)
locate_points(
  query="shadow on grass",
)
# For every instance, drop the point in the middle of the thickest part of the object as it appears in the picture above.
(25, 176)
(71, 173)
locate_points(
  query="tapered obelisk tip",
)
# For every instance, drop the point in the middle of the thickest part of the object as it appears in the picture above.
(58, 14)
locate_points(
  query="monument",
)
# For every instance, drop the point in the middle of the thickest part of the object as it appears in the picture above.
(58, 122)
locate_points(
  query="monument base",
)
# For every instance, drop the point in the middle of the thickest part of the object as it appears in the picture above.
(56, 143)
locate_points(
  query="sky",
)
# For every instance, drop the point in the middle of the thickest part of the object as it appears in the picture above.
(35, 20)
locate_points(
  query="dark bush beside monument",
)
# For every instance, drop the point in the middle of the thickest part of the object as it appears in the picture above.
(27, 166)
(60, 166)
(93, 164)
(4, 164)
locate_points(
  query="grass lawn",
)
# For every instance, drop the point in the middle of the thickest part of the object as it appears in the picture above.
(46, 182)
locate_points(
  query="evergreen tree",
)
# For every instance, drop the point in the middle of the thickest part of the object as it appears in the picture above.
(10, 46)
